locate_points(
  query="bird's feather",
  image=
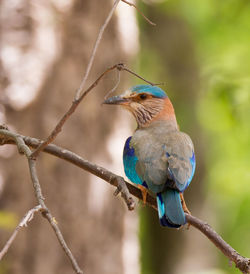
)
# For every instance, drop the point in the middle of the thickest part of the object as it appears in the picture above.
(164, 158)
(129, 162)
(153, 90)
(170, 209)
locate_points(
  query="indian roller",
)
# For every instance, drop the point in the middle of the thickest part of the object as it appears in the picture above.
(158, 157)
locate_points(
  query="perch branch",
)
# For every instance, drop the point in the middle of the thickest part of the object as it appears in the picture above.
(242, 263)
(24, 222)
(24, 149)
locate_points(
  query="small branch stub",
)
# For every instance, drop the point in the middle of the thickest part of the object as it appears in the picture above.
(121, 187)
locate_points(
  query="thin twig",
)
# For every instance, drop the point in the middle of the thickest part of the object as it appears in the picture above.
(116, 85)
(98, 40)
(138, 76)
(242, 263)
(144, 16)
(24, 222)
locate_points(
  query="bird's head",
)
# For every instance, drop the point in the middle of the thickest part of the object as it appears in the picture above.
(147, 104)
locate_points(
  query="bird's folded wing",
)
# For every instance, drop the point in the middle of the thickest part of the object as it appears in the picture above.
(181, 159)
(129, 161)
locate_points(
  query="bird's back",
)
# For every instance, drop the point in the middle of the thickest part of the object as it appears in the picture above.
(164, 156)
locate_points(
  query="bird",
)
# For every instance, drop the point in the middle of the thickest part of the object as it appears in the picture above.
(158, 157)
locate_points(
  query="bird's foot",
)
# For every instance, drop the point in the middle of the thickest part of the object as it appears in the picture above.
(144, 193)
(185, 209)
(184, 206)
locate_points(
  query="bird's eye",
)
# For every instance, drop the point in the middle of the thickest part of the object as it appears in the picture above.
(143, 96)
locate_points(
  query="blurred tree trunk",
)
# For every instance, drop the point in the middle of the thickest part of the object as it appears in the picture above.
(90, 219)
(167, 250)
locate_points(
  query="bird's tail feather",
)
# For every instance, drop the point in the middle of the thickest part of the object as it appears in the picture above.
(170, 208)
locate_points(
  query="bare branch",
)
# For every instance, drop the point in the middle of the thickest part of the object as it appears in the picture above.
(142, 14)
(48, 215)
(242, 263)
(23, 148)
(71, 110)
(62, 242)
(79, 93)
(98, 40)
(24, 222)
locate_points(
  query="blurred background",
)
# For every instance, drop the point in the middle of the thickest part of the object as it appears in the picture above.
(201, 51)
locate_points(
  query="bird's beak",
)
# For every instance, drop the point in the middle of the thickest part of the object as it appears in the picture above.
(116, 100)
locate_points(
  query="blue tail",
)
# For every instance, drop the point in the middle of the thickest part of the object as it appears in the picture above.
(170, 209)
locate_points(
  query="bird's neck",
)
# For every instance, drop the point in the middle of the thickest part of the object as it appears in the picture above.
(165, 116)
(167, 125)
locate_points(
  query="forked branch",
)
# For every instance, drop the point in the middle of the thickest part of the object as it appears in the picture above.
(23, 148)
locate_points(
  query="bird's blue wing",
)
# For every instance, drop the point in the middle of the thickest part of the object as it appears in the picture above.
(129, 162)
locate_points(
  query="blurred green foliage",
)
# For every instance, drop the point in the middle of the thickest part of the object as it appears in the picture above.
(221, 31)
(221, 35)
(8, 220)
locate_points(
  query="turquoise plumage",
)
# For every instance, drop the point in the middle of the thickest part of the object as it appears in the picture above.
(158, 156)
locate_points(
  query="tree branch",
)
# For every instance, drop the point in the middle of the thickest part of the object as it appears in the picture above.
(24, 222)
(24, 149)
(70, 111)
(79, 93)
(241, 262)
(98, 40)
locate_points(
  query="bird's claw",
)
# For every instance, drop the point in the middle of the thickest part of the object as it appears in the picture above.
(184, 206)
(185, 209)
(144, 193)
